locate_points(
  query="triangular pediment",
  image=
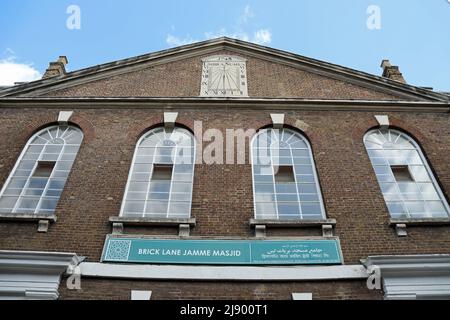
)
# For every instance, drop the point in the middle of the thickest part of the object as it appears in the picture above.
(177, 72)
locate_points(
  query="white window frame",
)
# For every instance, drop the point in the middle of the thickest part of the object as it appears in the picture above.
(315, 175)
(130, 174)
(425, 164)
(20, 158)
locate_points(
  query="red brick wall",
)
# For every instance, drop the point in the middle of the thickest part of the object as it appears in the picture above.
(182, 79)
(222, 197)
(105, 289)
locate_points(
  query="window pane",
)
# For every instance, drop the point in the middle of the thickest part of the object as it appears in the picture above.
(183, 168)
(48, 204)
(179, 208)
(27, 203)
(266, 210)
(56, 184)
(37, 183)
(17, 183)
(286, 188)
(262, 170)
(137, 195)
(311, 209)
(140, 176)
(287, 197)
(306, 188)
(156, 207)
(428, 191)
(138, 187)
(33, 192)
(158, 186)
(181, 187)
(264, 188)
(419, 173)
(181, 197)
(288, 210)
(379, 161)
(396, 209)
(309, 197)
(415, 208)
(264, 197)
(53, 193)
(134, 206)
(436, 209)
(158, 196)
(182, 177)
(300, 153)
(8, 202)
(263, 179)
(305, 178)
(303, 169)
(63, 165)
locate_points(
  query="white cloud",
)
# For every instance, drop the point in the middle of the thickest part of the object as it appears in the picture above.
(176, 41)
(12, 71)
(248, 14)
(260, 36)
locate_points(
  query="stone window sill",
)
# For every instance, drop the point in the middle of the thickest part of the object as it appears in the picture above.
(43, 220)
(421, 222)
(184, 224)
(401, 224)
(260, 225)
(292, 223)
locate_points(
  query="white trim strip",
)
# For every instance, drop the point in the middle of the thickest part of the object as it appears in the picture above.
(232, 273)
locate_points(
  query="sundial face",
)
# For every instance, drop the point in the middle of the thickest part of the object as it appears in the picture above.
(224, 76)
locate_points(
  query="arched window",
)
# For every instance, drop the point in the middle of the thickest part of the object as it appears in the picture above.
(39, 176)
(285, 184)
(161, 176)
(408, 185)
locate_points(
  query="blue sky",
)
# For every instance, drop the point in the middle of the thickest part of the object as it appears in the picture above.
(414, 34)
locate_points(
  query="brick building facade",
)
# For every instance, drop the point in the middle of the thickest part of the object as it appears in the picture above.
(334, 109)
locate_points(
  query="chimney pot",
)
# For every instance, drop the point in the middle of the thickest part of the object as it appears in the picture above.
(63, 59)
(391, 72)
(56, 68)
(385, 63)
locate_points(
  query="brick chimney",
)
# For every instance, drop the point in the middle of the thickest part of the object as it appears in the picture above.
(56, 68)
(392, 72)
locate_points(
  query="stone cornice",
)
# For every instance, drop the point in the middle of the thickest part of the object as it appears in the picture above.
(411, 265)
(210, 46)
(37, 262)
(241, 103)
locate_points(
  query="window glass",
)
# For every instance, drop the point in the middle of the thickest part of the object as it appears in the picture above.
(161, 176)
(37, 180)
(406, 181)
(284, 177)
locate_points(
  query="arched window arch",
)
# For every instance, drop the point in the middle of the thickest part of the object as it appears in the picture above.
(406, 180)
(161, 175)
(285, 183)
(38, 178)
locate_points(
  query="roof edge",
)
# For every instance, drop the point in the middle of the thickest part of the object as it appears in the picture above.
(392, 85)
